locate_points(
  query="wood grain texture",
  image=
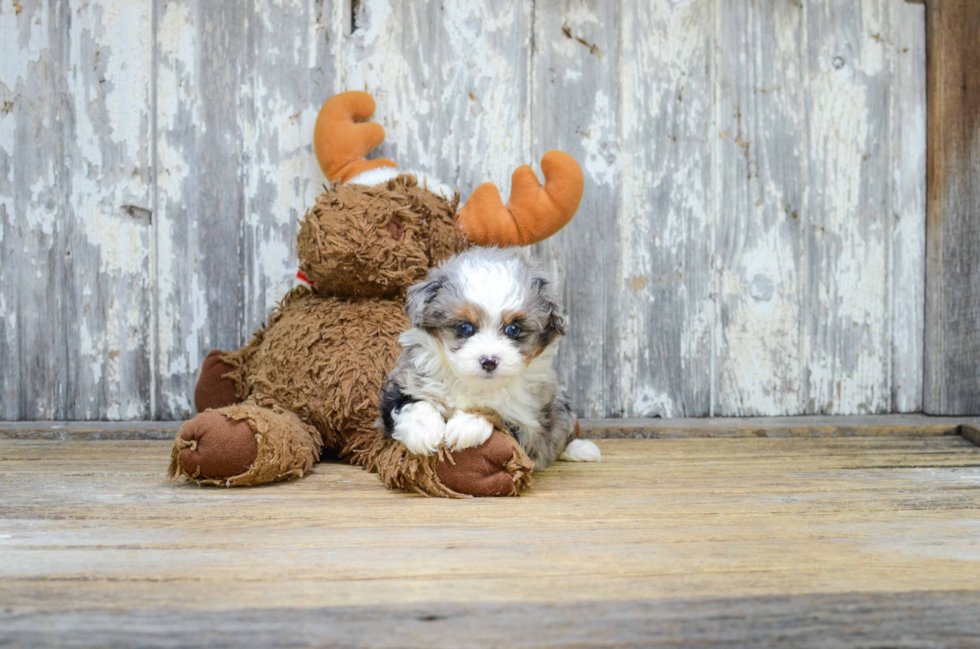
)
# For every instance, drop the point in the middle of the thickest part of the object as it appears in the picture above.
(971, 433)
(88, 430)
(33, 211)
(291, 62)
(932, 619)
(451, 84)
(626, 88)
(908, 203)
(848, 229)
(75, 149)
(576, 101)
(668, 208)
(238, 90)
(91, 533)
(952, 339)
(762, 161)
(108, 159)
(199, 226)
(750, 242)
(811, 96)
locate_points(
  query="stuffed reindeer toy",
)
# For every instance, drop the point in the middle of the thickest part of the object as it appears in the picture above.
(308, 383)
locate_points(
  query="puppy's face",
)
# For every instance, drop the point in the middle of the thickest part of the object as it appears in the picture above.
(492, 312)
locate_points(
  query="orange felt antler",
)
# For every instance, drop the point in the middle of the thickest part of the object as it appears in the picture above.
(341, 142)
(533, 212)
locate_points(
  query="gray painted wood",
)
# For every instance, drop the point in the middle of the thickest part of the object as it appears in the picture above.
(291, 60)
(201, 73)
(751, 239)
(33, 207)
(107, 155)
(238, 90)
(668, 119)
(576, 97)
(451, 81)
(952, 339)
(812, 234)
(908, 196)
(762, 158)
(848, 226)
(627, 90)
(75, 149)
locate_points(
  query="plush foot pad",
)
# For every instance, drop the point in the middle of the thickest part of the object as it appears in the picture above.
(498, 467)
(214, 390)
(244, 445)
(212, 446)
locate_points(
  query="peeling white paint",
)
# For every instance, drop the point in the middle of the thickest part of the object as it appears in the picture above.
(849, 370)
(43, 213)
(119, 66)
(602, 161)
(908, 141)
(181, 307)
(462, 122)
(650, 402)
(177, 75)
(718, 210)
(24, 42)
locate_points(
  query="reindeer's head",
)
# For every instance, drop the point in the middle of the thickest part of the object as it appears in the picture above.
(378, 231)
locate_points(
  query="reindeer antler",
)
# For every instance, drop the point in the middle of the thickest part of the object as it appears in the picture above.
(341, 142)
(533, 212)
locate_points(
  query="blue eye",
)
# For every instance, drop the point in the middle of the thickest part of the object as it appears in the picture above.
(464, 329)
(512, 330)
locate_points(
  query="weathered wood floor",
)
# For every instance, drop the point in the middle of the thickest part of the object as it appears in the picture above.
(751, 541)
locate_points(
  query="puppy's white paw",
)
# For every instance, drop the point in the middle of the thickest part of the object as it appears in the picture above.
(581, 450)
(420, 427)
(466, 430)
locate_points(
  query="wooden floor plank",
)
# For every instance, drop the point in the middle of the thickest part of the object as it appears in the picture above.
(92, 530)
(926, 619)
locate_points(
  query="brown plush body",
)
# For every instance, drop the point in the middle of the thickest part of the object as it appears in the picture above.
(308, 383)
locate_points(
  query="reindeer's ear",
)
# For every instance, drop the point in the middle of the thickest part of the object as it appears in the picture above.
(533, 212)
(342, 136)
(419, 299)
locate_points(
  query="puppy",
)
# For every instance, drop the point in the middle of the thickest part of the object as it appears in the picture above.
(485, 327)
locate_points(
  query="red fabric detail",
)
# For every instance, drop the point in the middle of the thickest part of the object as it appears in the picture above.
(301, 276)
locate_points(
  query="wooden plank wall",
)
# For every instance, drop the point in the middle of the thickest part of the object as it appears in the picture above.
(952, 370)
(751, 240)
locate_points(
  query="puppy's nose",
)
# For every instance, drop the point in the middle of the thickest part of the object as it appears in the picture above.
(489, 363)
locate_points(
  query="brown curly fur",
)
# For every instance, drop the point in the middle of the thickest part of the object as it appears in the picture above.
(311, 377)
(345, 247)
(293, 362)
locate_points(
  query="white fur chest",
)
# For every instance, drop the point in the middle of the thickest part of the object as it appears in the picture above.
(515, 403)
(519, 400)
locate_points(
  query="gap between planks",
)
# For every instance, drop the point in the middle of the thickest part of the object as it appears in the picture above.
(914, 425)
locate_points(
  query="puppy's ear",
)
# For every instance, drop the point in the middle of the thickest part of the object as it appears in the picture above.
(419, 297)
(555, 326)
(556, 323)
